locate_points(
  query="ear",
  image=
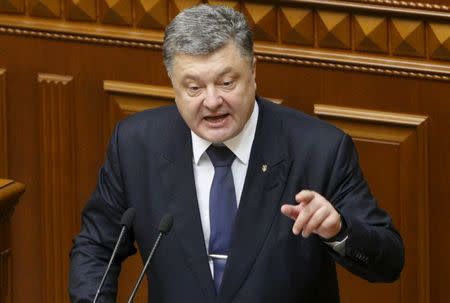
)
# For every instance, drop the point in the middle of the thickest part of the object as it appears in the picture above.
(169, 74)
(254, 70)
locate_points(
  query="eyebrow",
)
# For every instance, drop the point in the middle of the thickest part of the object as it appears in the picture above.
(225, 71)
(196, 78)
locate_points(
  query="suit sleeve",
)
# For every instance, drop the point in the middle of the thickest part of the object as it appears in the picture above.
(100, 229)
(374, 249)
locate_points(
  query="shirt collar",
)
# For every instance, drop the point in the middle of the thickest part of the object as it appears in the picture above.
(240, 145)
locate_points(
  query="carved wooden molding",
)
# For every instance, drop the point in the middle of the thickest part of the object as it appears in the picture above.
(86, 38)
(54, 79)
(3, 126)
(314, 58)
(87, 33)
(407, 134)
(138, 89)
(381, 6)
(58, 216)
(340, 112)
(135, 97)
(287, 54)
(275, 100)
(10, 191)
(4, 183)
(127, 98)
(409, 4)
(383, 36)
(121, 12)
(350, 62)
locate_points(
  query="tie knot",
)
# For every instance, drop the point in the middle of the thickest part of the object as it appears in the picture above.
(220, 155)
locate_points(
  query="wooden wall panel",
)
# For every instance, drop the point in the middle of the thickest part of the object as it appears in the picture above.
(3, 126)
(5, 274)
(152, 14)
(394, 158)
(10, 192)
(333, 30)
(297, 26)
(408, 37)
(396, 29)
(126, 99)
(12, 6)
(439, 37)
(117, 12)
(371, 34)
(176, 6)
(59, 219)
(379, 39)
(81, 10)
(45, 8)
(263, 20)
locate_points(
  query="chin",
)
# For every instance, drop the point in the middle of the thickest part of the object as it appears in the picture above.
(217, 135)
(218, 138)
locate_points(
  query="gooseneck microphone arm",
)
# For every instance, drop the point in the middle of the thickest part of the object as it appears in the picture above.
(164, 227)
(126, 222)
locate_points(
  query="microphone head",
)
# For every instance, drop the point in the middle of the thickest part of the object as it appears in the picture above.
(128, 217)
(166, 223)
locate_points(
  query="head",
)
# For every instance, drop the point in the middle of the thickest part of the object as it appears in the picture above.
(208, 53)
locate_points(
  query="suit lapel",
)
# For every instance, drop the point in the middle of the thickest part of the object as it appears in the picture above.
(264, 184)
(179, 186)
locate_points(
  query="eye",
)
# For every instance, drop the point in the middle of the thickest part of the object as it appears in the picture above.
(228, 83)
(193, 90)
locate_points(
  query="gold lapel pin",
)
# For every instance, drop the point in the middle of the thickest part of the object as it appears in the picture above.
(264, 168)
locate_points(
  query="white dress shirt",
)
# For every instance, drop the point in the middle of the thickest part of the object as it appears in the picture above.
(241, 146)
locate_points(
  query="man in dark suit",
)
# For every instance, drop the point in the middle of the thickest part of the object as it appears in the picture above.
(265, 225)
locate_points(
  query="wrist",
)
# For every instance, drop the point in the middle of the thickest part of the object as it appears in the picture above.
(342, 233)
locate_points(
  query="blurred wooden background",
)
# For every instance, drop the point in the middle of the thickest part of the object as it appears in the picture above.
(380, 69)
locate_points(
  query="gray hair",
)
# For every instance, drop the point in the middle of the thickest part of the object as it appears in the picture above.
(203, 29)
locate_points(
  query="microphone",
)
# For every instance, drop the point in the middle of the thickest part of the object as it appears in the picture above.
(164, 227)
(125, 222)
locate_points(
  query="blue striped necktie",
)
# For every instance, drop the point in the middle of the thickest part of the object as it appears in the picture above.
(222, 208)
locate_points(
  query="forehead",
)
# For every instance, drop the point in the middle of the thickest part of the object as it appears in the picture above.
(225, 59)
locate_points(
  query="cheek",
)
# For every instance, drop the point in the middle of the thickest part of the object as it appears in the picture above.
(190, 109)
(242, 101)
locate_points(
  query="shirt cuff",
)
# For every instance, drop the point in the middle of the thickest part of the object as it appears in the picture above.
(337, 243)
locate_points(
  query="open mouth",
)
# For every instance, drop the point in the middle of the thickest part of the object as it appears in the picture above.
(216, 119)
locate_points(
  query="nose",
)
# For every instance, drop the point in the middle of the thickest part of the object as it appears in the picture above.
(212, 100)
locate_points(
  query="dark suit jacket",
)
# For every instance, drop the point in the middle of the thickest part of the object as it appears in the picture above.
(149, 167)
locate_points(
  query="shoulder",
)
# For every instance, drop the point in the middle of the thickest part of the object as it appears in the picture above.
(154, 125)
(150, 118)
(297, 124)
(316, 146)
(152, 121)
